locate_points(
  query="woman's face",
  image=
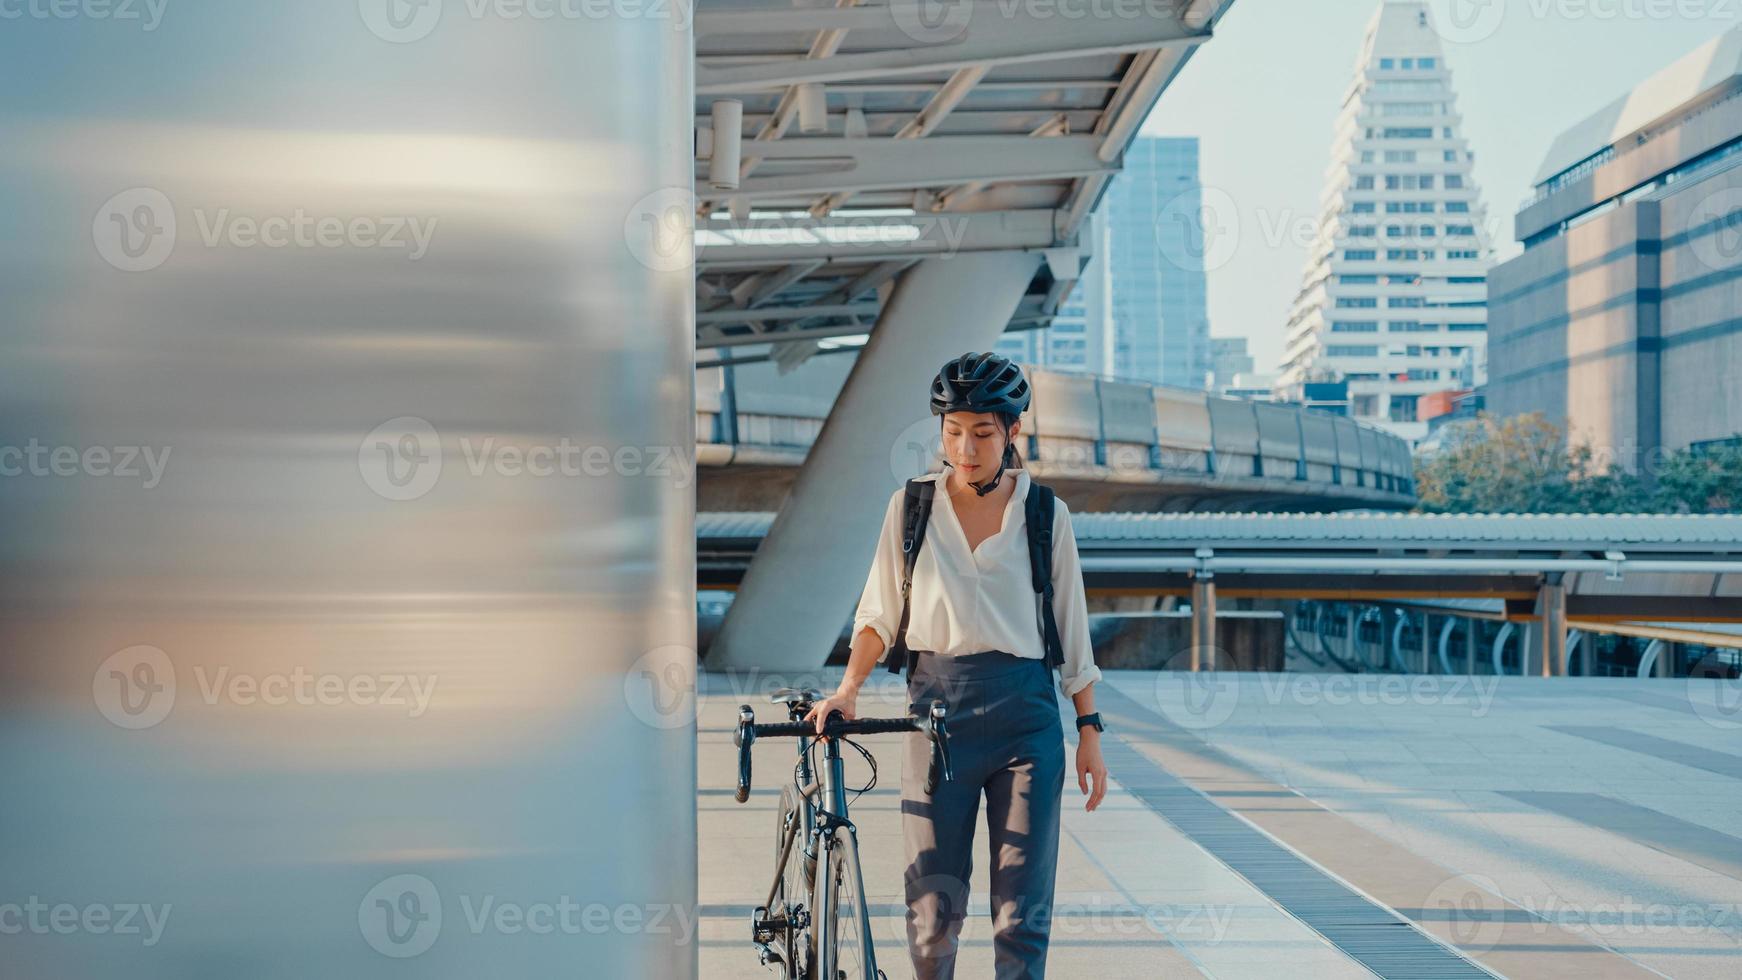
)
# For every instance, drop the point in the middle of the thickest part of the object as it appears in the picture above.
(974, 443)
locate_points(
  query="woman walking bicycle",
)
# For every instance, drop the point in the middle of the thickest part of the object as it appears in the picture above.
(983, 620)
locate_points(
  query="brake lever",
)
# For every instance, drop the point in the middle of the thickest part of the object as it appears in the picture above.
(940, 748)
(744, 737)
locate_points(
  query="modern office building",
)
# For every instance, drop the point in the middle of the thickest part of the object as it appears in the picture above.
(1394, 296)
(1228, 357)
(1619, 320)
(1257, 387)
(1155, 265)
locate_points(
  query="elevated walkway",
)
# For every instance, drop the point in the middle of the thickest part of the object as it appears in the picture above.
(1322, 826)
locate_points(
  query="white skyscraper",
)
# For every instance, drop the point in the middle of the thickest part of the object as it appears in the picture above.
(1395, 292)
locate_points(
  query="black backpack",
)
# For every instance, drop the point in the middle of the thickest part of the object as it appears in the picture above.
(916, 512)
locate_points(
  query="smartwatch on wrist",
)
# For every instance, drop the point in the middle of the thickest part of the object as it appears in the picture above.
(1094, 719)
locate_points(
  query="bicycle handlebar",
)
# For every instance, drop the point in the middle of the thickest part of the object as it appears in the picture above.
(837, 726)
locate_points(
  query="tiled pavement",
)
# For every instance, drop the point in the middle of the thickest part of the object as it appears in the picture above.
(1328, 827)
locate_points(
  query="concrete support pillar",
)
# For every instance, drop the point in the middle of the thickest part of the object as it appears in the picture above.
(801, 588)
(1203, 622)
(1471, 631)
(1551, 609)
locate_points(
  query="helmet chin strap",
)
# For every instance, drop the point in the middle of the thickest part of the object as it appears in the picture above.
(982, 489)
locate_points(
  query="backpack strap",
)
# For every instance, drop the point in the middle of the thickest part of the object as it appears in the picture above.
(1039, 514)
(915, 514)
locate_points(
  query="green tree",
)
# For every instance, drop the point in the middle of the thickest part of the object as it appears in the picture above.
(1704, 481)
(1521, 464)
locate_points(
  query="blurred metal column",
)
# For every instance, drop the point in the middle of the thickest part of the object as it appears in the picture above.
(800, 589)
(347, 619)
(1203, 621)
(1551, 610)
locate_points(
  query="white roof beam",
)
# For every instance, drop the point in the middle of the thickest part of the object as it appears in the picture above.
(713, 338)
(851, 238)
(775, 314)
(994, 37)
(837, 165)
(760, 289)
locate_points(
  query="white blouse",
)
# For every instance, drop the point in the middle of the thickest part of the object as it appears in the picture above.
(984, 600)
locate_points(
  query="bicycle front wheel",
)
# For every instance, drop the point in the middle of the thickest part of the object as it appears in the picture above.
(847, 929)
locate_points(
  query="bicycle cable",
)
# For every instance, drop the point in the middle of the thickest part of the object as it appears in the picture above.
(871, 760)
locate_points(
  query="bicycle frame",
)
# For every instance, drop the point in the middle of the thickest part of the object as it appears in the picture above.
(831, 842)
(834, 821)
(821, 824)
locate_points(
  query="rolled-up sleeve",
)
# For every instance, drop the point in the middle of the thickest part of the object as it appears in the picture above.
(880, 603)
(1070, 606)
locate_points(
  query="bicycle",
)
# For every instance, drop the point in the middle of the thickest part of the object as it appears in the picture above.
(835, 942)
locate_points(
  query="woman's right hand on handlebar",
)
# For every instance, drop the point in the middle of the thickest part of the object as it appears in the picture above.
(846, 704)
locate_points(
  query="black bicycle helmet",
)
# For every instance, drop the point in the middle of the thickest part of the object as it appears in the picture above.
(983, 382)
(980, 383)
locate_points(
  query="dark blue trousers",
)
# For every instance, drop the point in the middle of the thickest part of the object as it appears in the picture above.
(1006, 743)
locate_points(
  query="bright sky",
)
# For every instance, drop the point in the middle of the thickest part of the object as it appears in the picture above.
(1263, 95)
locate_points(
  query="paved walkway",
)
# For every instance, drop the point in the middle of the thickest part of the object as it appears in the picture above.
(1328, 827)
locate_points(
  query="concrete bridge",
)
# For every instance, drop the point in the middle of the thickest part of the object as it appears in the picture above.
(1104, 444)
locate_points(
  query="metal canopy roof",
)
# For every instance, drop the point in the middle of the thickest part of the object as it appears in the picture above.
(945, 127)
(1614, 566)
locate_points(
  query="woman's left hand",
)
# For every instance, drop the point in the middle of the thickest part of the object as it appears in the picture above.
(1089, 765)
